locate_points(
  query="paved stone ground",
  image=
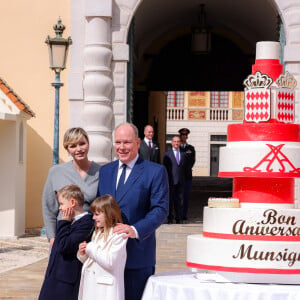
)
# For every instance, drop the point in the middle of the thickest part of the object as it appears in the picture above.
(15, 253)
(23, 261)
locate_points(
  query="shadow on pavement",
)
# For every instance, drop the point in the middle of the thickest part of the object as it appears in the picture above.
(204, 187)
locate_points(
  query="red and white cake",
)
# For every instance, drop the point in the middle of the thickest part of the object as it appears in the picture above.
(260, 241)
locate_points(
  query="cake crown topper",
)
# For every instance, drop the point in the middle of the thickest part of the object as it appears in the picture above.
(257, 80)
(286, 80)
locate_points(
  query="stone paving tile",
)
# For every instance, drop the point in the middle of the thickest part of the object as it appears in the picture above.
(22, 251)
(24, 283)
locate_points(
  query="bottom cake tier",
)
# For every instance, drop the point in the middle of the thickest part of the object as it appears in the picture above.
(250, 261)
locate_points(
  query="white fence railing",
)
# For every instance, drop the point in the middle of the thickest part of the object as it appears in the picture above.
(207, 114)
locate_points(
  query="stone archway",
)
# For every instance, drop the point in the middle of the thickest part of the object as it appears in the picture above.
(98, 71)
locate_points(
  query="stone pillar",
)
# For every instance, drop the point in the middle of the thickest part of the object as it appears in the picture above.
(97, 80)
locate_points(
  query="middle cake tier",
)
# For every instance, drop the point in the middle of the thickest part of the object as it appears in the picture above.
(261, 150)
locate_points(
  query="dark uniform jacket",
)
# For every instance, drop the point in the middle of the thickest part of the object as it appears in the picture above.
(190, 156)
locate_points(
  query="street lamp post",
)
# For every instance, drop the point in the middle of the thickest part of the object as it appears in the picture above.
(58, 50)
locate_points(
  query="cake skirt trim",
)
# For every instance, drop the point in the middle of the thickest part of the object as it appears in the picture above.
(242, 270)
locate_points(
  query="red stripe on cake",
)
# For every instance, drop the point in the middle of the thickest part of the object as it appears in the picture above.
(243, 270)
(271, 67)
(259, 174)
(264, 190)
(263, 132)
(228, 236)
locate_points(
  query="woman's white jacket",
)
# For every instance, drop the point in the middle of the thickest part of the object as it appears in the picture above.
(102, 275)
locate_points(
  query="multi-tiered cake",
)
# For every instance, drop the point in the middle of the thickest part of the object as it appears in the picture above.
(260, 241)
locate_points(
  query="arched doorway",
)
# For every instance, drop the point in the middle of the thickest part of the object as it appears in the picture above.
(161, 57)
(163, 60)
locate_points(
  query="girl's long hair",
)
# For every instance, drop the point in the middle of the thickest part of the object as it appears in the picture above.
(109, 206)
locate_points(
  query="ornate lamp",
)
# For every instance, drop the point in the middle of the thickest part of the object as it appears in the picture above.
(58, 50)
(201, 36)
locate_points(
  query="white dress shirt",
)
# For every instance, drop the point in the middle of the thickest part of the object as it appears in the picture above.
(147, 142)
(129, 168)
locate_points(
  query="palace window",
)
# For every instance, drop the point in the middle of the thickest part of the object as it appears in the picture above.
(175, 99)
(219, 99)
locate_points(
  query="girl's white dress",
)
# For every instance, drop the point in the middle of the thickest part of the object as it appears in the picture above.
(102, 275)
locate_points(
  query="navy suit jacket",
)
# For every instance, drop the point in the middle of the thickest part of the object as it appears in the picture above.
(176, 173)
(152, 154)
(64, 269)
(144, 203)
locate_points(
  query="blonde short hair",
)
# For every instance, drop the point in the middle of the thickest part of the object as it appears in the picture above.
(71, 191)
(73, 135)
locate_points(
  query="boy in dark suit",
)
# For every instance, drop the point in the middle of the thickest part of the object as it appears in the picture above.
(64, 269)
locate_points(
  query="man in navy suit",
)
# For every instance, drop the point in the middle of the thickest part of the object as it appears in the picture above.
(175, 162)
(149, 149)
(141, 190)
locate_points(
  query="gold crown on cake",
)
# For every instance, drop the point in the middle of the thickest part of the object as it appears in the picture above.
(257, 80)
(286, 80)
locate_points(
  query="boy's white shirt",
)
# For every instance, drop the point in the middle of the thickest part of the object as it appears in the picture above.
(76, 218)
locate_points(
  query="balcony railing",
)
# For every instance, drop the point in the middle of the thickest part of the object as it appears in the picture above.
(203, 114)
(218, 114)
(176, 113)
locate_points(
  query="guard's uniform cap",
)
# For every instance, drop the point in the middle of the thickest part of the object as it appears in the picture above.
(184, 131)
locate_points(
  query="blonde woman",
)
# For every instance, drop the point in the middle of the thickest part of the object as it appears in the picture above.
(80, 171)
(104, 257)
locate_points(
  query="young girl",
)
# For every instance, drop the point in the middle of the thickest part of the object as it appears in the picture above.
(104, 257)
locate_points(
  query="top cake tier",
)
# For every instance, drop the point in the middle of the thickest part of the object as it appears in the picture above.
(269, 94)
(267, 59)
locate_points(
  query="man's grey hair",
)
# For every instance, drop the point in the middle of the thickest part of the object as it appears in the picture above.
(134, 128)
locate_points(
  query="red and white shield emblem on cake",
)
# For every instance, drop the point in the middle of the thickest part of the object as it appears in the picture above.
(257, 105)
(257, 98)
(285, 105)
(285, 98)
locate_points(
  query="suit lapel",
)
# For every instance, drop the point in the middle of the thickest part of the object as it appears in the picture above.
(113, 182)
(136, 172)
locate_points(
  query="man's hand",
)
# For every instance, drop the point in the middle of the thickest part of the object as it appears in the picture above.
(124, 228)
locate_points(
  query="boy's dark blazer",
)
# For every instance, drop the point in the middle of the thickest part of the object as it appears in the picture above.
(64, 269)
